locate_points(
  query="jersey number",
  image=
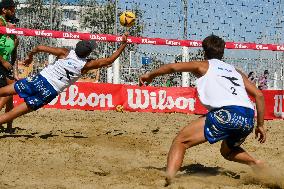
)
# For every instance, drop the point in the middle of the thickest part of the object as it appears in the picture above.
(234, 91)
(233, 81)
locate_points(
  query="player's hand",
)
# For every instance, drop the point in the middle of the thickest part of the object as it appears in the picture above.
(124, 37)
(16, 41)
(16, 76)
(11, 25)
(27, 61)
(7, 65)
(260, 134)
(145, 79)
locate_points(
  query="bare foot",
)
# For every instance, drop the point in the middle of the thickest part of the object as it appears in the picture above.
(168, 181)
(260, 167)
(267, 175)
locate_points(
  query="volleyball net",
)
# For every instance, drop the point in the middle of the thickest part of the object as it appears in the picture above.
(137, 61)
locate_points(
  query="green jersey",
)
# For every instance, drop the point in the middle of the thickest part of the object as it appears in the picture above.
(7, 44)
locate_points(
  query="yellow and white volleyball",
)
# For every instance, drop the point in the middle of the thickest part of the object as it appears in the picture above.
(119, 108)
(127, 19)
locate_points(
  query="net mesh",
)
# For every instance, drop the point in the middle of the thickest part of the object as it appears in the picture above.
(256, 21)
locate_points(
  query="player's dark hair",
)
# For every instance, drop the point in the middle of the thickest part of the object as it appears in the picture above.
(213, 47)
(84, 48)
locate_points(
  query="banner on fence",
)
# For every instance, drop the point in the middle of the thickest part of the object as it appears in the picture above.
(102, 96)
(130, 39)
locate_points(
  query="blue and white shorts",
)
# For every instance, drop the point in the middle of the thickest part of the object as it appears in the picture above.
(36, 91)
(230, 123)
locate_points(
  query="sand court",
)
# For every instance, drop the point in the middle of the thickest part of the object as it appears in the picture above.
(108, 149)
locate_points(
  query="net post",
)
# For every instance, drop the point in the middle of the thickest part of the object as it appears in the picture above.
(109, 74)
(185, 75)
(275, 81)
(282, 77)
(51, 59)
(116, 73)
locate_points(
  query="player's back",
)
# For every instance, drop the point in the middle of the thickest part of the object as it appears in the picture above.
(222, 85)
(64, 72)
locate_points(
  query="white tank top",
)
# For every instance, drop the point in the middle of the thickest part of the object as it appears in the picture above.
(222, 86)
(64, 72)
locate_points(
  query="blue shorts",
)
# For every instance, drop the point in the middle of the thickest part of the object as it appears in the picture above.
(36, 91)
(230, 123)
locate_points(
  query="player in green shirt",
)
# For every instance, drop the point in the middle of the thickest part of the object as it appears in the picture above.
(8, 44)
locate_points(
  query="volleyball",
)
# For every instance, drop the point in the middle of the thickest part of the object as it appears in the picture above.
(119, 108)
(127, 19)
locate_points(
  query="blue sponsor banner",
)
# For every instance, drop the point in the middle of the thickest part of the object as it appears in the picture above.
(146, 60)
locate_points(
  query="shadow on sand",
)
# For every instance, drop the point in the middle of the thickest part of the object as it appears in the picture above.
(201, 170)
(20, 132)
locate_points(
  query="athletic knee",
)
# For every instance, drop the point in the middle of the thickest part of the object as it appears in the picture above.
(230, 153)
(181, 141)
(226, 154)
(177, 140)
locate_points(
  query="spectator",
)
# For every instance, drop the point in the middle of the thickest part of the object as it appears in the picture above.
(176, 81)
(252, 78)
(263, 81)
(169, 82)
(8, 53)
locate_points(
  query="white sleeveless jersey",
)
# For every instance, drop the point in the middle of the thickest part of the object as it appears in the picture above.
(64, 72)
(222, 86)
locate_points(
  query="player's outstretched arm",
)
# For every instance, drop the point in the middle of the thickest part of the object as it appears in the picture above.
(56, 51)
(103, 62)
(198, 68)
(252, 90)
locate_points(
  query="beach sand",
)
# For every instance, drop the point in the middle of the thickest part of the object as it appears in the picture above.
(106, 149)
